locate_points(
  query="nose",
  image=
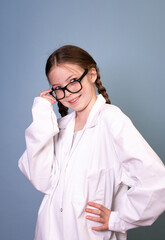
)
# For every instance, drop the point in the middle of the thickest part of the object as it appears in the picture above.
(67, 93)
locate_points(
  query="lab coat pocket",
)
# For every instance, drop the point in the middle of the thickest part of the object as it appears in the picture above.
(100, 190)
(100, 185)
(96, 186)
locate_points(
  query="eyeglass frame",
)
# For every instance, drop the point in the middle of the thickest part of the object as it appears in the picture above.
(65, 88)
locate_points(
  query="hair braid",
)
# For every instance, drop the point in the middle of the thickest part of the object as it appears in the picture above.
(62, 109)
(101, 89)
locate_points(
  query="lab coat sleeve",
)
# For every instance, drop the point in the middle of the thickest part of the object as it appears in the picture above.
(143, 172)
(37, 162)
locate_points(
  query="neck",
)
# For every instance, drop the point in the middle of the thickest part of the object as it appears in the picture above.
(82, 116)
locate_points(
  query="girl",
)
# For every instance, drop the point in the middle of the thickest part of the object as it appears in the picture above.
(85, 161)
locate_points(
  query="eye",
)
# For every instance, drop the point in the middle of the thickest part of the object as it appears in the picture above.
(73, 80)
(57, 88)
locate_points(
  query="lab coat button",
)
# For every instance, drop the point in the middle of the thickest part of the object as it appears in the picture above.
(61, 209)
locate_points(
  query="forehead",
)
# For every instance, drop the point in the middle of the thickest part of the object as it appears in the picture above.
(62, 72)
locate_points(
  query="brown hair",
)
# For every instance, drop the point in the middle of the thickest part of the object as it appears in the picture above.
(75, 55)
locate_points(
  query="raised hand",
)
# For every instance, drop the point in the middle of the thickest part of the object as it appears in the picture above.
(46, 94)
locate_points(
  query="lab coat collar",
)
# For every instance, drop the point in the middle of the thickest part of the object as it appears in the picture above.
(93, 116)
(92, 119)
(65, 121)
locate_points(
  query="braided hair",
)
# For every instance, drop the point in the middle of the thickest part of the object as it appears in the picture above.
(75, 55)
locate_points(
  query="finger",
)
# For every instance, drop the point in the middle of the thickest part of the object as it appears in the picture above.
(97, 205)
(50, 98)
(44, 93)
(95, 219)
(100, 228)
(94, 211)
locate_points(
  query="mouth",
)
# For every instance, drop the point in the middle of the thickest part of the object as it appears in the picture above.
(74, 100)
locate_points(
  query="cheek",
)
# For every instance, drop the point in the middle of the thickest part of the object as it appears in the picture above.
(88, 88)
(63, 103)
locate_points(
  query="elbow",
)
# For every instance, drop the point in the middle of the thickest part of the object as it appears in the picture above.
(42, 184)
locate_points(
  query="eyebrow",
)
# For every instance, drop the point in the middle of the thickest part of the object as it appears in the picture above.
(57, 84)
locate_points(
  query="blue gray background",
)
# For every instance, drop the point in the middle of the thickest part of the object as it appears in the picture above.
(126, 38)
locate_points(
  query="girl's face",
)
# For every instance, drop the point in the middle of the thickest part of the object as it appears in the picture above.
(61, 75)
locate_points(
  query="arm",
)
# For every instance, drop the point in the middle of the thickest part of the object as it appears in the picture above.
(143, 172)
(38, 160)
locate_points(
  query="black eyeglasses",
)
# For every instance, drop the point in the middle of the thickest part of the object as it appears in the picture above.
(73, 87)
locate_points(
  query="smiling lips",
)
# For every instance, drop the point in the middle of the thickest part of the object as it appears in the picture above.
(74, 101)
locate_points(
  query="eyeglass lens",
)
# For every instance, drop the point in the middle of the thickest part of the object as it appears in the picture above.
(72, 87)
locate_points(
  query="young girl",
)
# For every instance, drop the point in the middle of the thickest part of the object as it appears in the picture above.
(85, 161)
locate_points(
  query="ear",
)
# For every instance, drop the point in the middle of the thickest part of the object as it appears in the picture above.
(93, 75)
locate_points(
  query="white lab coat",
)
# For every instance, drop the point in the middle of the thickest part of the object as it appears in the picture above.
(106, 157)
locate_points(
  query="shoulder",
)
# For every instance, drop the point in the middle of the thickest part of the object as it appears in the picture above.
(113, 117)
(112, 113)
